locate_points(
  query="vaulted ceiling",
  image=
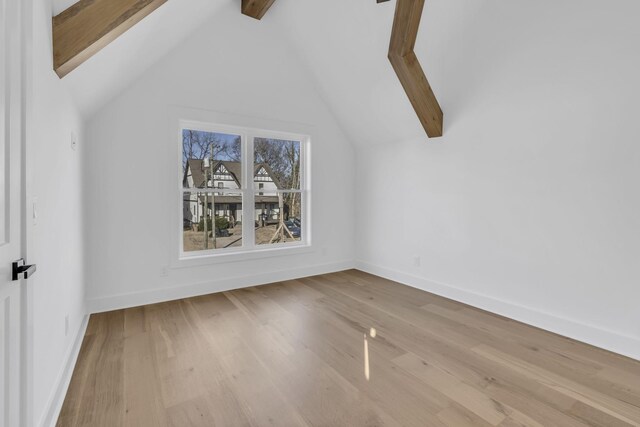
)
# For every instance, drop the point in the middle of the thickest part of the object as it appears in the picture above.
(124, 60)
(473, 51)
(355, 45)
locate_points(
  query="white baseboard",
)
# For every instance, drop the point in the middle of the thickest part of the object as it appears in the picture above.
(54, 405)
(590, 334)
(117, 302)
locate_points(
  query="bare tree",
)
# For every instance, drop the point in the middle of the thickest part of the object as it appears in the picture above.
(234, 150)
(292, 151)
(283, 158)
(198, 145)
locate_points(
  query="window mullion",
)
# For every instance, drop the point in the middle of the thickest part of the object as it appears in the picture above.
(248, 229)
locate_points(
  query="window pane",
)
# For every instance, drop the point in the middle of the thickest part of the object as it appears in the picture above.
(211, 160)
(277, 164)
(277, 218)
(198, 234)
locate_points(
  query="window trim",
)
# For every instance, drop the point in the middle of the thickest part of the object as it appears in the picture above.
(249, 250)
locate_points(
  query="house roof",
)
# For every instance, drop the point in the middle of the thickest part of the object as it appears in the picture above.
(235, 168)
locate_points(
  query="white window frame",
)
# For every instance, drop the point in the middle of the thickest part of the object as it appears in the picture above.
(249, 248)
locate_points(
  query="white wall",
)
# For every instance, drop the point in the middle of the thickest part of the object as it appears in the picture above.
(55, 242)
(235, 65)
(529, 205)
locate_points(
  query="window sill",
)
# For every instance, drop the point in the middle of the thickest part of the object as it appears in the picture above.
(187, 261)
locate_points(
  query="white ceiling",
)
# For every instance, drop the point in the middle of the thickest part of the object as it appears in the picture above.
(120, 63)
(474, 52)
(344, 44)
(60, 5)
(471, 51)
(461, 45)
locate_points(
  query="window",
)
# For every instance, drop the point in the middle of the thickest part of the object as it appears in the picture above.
(242, 190)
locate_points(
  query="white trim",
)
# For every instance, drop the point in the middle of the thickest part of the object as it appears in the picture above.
(54, 404)
(248, 129)
(136, 299)
(27, 323)
(222, 256)
(590, 334)
(248, 201)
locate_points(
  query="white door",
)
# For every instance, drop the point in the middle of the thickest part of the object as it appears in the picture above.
(11, 209)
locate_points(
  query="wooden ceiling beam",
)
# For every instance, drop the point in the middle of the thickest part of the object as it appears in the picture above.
(256, 8)
(89, 25)
(407, 67)
(401, 55)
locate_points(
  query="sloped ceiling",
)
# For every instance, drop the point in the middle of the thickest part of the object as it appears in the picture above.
(463, 45)
(345, 45)
(120, 63)
(60, 5)
(474, 52)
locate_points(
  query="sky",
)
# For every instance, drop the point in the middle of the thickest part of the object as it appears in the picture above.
(225, 141)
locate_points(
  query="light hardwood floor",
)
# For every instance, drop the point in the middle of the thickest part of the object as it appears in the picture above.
(294, 354)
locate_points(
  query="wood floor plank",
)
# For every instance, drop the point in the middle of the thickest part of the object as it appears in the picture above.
(248, 379)
(143, 406)
(320, 393)
(563, 345)
(598, 400)
(419, 343)
(533, 351)
(456, 415)
(193, 412)
(96, 396)
(546, 408)
(341, 349)
(463, 394)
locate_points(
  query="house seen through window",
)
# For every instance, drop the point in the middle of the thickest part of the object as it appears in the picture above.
(241, 192)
